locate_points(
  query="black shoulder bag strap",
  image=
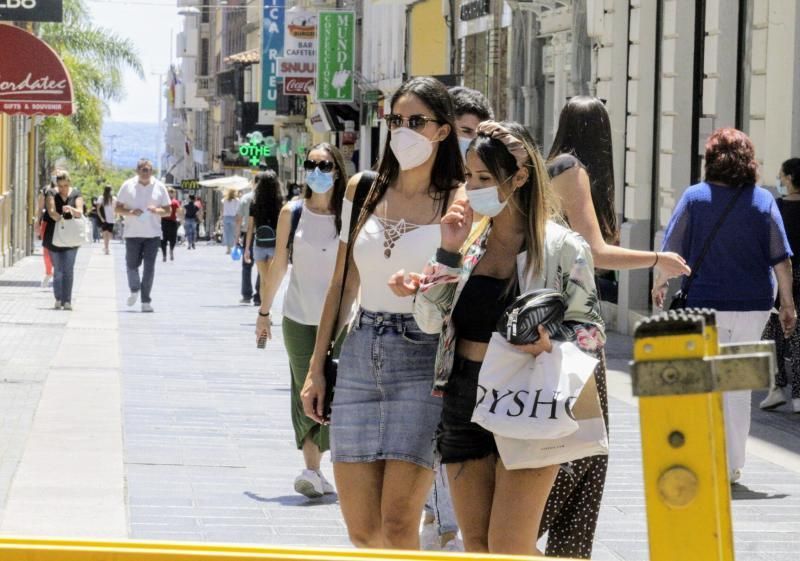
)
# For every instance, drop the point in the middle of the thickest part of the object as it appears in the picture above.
(710, 239)
(365, 184)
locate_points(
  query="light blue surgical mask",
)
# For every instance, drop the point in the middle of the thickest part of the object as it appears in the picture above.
(319, 182)
(486, 201)
(463, 144)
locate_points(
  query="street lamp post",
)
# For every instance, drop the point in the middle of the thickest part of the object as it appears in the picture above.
(159, 134)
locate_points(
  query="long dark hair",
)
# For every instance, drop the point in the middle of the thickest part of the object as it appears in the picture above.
(448, 167)
(267, 200)
(584, 130)
(339, 184)
(533, 199)
(107, 196)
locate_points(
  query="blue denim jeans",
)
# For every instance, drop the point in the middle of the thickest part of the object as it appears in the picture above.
(63, 273)
(140, 251)
(440, 503)
(190, 229)
(229, 231)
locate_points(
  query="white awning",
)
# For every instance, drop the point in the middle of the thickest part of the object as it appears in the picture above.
(235, 182)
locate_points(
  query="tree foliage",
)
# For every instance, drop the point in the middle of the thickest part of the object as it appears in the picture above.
(95, 59)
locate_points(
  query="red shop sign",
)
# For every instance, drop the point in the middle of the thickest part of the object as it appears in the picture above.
(297, 86)
(33, 80)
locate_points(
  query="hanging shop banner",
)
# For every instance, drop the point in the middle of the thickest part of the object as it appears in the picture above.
(298, 66)
(272, 49)
(31, 10)
(335, 60)
(34, 80)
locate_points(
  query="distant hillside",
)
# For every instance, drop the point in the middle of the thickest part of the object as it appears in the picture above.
(130, 141)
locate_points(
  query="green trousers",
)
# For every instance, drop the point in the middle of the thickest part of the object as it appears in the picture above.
(299, 342)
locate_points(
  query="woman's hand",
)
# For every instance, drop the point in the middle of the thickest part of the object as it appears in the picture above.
(658, 295)
(247, 258)
(264, 325)
(788, 319)
(403, 285)
(542, 345)
(671, 265)
(313, 396)
(456, 225)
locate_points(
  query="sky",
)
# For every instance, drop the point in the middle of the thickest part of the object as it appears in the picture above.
(149, 24)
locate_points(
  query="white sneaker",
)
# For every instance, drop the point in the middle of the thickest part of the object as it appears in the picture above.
(57, 305)
(146, 307)
(67, 306)
(735, 476)
(327, 487)
(308, 483)
(775, 398)
(46, 281)
(133, 298)
(796, 405)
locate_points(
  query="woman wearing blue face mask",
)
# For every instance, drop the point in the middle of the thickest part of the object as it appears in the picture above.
(464, 290)
(307, 237)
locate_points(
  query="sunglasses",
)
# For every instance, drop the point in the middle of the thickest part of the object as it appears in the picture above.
(325, 166)
(414, 122)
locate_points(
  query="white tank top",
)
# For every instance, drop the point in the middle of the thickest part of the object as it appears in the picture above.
(382, 249)
(313, 262)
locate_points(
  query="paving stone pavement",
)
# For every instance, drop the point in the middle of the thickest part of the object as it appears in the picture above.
(208, 446)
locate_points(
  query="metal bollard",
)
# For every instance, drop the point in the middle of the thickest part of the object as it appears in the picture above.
(679, 371)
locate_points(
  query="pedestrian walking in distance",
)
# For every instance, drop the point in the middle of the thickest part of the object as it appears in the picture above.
(230, 206)
(384, 416)
(192, 214)
(260, 242)
(787, 349)
(142, 201)
(169, 226)
(734, 229)
(41, 206)
(242, 221)
(307, 237)
(62, 203)
(107, 216)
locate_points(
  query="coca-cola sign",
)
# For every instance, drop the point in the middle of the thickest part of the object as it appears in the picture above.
(34, 80)
(31, 10)
(297, 86)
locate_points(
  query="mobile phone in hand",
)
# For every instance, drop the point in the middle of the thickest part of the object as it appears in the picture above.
(262, 340)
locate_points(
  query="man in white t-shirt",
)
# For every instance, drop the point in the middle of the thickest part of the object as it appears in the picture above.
(142, 201)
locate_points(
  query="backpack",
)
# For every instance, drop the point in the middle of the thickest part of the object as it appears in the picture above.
(265, 236)
(362, 190)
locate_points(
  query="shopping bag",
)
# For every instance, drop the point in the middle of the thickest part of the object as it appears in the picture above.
(69, 232)
(236, 254)
(591, 438)
(523, 397)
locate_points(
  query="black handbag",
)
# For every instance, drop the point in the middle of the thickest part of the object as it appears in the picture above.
(681, 297)
(331, 365)
(520, 321)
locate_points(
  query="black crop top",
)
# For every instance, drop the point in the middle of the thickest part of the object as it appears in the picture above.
(479, 306)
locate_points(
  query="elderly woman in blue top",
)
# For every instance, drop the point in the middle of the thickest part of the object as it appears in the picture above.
(735, 276)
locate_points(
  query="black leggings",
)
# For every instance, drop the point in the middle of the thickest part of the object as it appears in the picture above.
(169, 234)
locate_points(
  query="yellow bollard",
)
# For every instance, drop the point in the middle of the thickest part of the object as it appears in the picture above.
(679, 372)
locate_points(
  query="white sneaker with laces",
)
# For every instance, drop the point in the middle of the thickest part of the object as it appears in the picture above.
(327, 487)
(133, 298)
(146, 307)
(67, 306)
(308, 483)
(57, 305)
(796, 405)
(775, 398)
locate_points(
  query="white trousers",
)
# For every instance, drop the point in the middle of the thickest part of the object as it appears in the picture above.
(738, 327)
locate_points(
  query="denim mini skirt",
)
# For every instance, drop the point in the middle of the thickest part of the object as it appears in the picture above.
(383, 408)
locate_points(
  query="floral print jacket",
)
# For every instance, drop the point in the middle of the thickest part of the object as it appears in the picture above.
(567, 267)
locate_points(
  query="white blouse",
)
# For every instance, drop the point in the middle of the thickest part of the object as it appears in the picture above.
(382, 248)
(313, 263)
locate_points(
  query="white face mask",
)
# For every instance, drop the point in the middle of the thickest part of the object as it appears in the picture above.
(782, 191)
(463, 144)
(486, 201)
(410, 148)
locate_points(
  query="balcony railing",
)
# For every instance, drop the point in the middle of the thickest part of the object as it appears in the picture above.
(206, 86)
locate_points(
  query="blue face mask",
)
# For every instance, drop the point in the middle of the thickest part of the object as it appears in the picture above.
(486, 201)
(463, 144)
(319, 182)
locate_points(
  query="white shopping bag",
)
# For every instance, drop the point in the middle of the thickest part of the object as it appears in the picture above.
(523, 397)
(591, 438)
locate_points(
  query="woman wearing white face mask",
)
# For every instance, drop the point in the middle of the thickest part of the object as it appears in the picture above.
(384, 416)
(464, 291)
(307, 237)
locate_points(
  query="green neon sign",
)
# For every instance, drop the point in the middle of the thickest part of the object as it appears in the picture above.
(257, 148)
